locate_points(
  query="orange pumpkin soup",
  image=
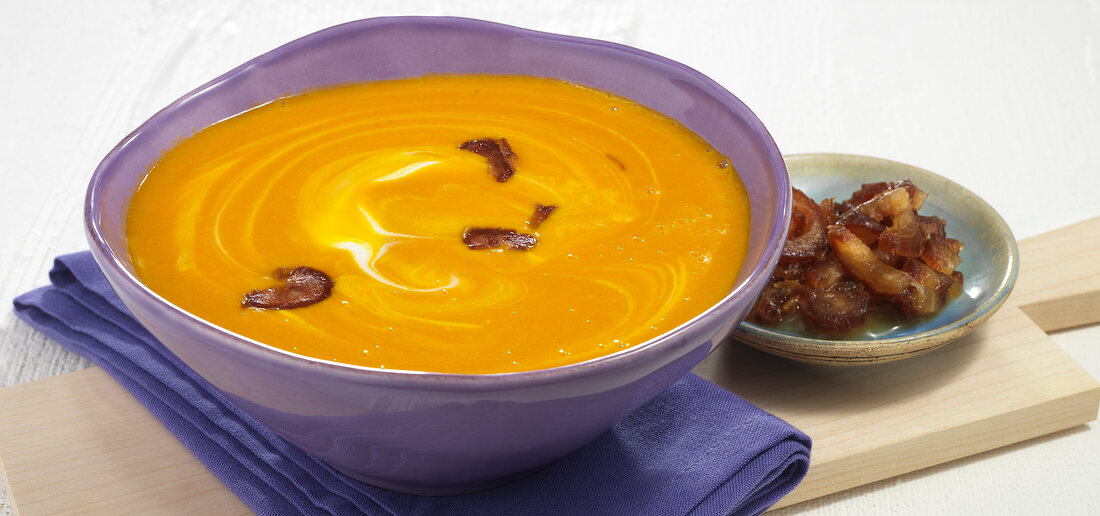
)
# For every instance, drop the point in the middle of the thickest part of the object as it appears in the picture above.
(378, 187)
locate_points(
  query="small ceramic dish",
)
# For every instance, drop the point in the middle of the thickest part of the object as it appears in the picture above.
(989, 266)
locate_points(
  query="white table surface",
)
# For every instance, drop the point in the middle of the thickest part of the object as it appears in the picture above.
(1002, 97)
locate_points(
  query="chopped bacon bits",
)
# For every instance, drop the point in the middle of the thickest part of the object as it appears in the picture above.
(942, 253)
(540, 214)
(904, 236)
(489, 238)
(879, 252)
(502, 166)
(838, 308)
(778, 302)
(502, 161)
(862, 263)
(870, 190)
(806, 238)
(302, 286)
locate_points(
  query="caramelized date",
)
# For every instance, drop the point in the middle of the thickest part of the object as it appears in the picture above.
(932, 226)
(890, 259)
(951, 286)
(778, 302)
(824, 274)
(867, 191)
(862, 263)
(942, 253)
(922, 297)
(864, 226)
(302, 286)
(880, 254)
(837, 309)
(904, 236)
(832, 210)
(788, 271)
(806, 239)
(502, 161)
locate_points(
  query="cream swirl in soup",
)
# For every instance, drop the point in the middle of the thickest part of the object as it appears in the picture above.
(368, 184)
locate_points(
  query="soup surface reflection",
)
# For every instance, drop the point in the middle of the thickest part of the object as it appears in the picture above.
(367, 183)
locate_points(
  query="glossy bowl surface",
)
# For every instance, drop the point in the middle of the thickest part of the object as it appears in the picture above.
(989, 266)
(435, 433)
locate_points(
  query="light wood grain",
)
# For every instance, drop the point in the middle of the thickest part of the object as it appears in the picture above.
(79, 444)
(1059, 284)
(1004, 383)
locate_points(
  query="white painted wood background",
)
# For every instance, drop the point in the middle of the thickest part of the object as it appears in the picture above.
(1002, 97)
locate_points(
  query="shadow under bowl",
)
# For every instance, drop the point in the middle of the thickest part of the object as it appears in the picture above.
(436, 433)
(989, 266)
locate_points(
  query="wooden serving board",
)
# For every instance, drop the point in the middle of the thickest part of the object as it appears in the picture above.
(80, 444)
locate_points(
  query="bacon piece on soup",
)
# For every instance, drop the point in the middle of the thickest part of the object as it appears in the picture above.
(806, 240)
(302, 286)
(489, 238)
(541, 212)
(502, 161)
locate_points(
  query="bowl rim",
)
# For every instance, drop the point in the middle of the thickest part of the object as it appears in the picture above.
(464, 381)
(900, 346)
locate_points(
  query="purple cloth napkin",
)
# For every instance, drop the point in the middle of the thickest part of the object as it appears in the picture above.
(694, 449)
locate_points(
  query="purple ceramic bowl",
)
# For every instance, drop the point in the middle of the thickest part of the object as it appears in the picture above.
(435, 433)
